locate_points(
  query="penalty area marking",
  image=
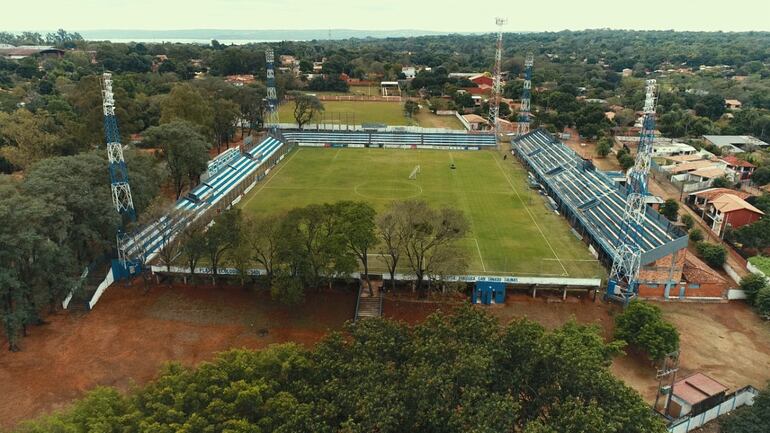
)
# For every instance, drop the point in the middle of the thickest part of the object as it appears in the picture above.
(271, 177)
(526, 208)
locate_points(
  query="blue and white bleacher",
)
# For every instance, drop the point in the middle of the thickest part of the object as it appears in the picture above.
(363, 138)
(593, 198)
(148, 240)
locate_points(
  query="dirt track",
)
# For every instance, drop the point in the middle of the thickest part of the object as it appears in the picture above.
(128, 336)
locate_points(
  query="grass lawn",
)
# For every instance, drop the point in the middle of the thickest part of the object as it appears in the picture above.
(353, 113)
(426, 119)
(512, 231)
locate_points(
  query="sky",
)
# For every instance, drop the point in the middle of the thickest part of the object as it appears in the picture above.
(446, 16)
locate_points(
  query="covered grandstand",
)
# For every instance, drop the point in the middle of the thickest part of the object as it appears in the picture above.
(452, 141)
(594, 204)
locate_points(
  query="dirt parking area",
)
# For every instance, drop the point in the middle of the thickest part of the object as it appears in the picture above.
(129, 336)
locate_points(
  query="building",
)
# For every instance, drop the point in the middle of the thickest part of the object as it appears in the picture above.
(482, 80)
(699, 280)
(744, 168)
(627, 72)
(693, 172)
(672, 148)
(409, 72)
(733, 104)
(722, 207)
(24, 51)
(734, 143)
(474, 122)
(695, 394)
(240, 80)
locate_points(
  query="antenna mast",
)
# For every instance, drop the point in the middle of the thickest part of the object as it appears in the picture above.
(494, 105)
(271, 121)
(523, 123)
(623, 282)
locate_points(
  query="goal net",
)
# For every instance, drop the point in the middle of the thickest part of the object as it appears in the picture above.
(415, 172)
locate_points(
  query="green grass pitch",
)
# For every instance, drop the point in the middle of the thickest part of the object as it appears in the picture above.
(512, 230)
(357, 112)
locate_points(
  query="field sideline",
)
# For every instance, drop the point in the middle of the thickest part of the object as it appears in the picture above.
(512, 231)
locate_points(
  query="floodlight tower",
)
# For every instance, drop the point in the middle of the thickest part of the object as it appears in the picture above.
(523, 123)
(121, 190)
(494, 103)
(271, 120)
(623, 282)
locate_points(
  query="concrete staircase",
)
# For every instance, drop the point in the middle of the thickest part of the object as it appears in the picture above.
(369, 304)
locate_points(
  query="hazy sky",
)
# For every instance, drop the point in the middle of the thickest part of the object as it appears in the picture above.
(446, 15)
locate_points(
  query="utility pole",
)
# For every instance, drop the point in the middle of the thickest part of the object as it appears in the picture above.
(668, 368)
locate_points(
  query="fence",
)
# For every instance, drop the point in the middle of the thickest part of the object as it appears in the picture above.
(744, 396)
(362, 98)
(462, 120)
(309, 127)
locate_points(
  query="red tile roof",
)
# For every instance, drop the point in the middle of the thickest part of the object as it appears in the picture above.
(696, 388)
(735, 162)
(712, 193)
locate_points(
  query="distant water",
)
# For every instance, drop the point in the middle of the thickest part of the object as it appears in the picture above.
(188, 41)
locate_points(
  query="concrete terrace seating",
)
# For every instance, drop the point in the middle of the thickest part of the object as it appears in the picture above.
(592, 199)
(149, 238)
(376, 139)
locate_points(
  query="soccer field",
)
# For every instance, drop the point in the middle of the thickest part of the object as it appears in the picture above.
(353, 113)
(512, 230)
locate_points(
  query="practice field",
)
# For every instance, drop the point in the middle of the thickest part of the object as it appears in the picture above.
(512, 231)
(353, 113)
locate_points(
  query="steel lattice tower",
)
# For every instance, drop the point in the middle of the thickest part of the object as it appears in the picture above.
(494, 104)
(271, 121)
(121, 190)
(623, 282)
(523, 123)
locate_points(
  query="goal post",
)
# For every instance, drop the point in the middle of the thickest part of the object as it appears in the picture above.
(415, 172)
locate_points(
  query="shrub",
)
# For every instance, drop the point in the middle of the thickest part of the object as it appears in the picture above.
(696, 235)
(688, 221)
(714, 255)
(752, 284)
(762, 302)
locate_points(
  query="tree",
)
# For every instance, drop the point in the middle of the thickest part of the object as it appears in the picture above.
(263, 235)
(186, 103)
(688, 221)
(184, 150)
(696, 235)
(761, 176)
(713, 254)
(251, 103)
(26, 138)
(221, 237)
(670, 209)
(755, 235)
(603, 147)
(225, 114)
(193, 244)
(305, 107)
(641, 325)
(752, 284)
(426, 235)
(721, 182)
(411, 108)
(357, 219)
(762, 302)
(388, 229)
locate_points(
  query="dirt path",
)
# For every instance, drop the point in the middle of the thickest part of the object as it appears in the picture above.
(128, 336)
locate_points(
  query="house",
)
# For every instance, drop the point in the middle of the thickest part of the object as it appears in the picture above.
(734, 143)
(671, 148)
(474, 122)
(744, 168)
(733, 104)
(627, 72)
(695, 394)
(409, 72)
(722, 207)
(482, 80)
(24, 51)
(288, 61)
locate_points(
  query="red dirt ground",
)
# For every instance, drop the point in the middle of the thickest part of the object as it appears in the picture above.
(128, 336)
